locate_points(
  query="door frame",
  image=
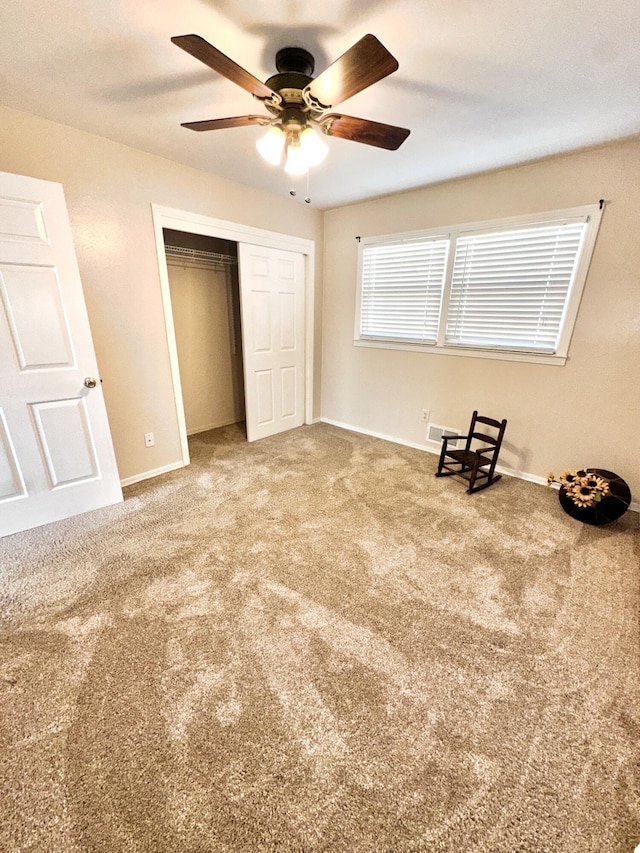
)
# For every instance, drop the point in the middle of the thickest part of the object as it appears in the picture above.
(195, 223)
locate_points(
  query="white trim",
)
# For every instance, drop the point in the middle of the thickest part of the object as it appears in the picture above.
(148, 475)
(446, 290)
(195, 223)
(487, 225)
(373, 434)
(579, 280)
(170, 331)
(466, 352)
(434, 448)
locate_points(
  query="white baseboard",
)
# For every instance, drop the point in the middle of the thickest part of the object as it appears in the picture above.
(147, 475)
(433, 447)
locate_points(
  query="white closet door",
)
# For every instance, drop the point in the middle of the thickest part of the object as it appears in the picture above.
(272, 305)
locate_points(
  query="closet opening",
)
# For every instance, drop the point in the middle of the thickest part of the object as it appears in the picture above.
(204, 287)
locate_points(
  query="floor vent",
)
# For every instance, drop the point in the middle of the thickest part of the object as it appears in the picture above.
(435, 433)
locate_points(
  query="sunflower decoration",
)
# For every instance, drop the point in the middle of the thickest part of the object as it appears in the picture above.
(583, 487)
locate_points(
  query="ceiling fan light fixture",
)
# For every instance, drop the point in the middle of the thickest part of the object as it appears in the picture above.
(315, 149)
(271, 145)
(296, 163)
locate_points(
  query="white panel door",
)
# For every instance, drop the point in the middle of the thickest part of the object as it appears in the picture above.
(56, 456)
(272, 304)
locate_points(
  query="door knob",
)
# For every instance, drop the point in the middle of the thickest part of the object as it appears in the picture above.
(90, 382)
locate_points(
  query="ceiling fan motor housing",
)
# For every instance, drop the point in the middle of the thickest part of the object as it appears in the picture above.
(295, 66)
(295, 59)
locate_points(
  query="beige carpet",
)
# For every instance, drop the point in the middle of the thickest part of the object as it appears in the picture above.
(312, 644)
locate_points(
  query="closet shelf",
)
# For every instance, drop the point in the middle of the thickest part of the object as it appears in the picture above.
(200, 256)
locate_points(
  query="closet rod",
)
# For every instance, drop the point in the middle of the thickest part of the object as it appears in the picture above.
(199, 255)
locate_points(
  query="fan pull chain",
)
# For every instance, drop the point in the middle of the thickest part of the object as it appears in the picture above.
(294, 192)
(307, 199)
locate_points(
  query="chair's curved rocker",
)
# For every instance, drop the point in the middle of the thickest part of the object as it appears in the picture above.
(474, 464)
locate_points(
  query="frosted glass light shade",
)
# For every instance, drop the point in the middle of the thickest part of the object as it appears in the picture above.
(271, 145)
(296, 160)
(315, 149)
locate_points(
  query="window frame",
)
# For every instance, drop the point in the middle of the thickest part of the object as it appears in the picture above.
(592, 215)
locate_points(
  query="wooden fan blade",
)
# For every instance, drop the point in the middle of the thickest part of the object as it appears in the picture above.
(220, 123)
(362, 130)
(366, 62)
(211, 56)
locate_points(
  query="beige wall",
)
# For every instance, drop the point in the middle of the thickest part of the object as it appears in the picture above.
(585, 413)
(210, 364)
(109, 190)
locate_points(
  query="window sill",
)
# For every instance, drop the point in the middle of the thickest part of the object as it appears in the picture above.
(467, 352)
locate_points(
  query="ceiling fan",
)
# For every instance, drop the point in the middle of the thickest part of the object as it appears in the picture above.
(297, 102)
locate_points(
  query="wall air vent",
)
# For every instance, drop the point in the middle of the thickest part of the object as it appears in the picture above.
(435, 433)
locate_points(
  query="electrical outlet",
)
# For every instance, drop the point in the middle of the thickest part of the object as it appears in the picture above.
(426, 414)
(149, 440)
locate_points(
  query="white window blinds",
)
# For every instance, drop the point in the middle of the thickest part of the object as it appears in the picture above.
(402, 290)
(506, 289)
(509, 288)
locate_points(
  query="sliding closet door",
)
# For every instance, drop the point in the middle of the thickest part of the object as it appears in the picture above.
(272, 306)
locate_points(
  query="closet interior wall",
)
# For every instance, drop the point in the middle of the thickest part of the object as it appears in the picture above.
(205, 302)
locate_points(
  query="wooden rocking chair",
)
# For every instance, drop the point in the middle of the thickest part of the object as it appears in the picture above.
(473, 464)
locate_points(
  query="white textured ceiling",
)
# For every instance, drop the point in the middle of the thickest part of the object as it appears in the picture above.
(481, 83)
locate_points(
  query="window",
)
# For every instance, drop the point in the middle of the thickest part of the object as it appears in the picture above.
(507, 289)
(402, 289)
